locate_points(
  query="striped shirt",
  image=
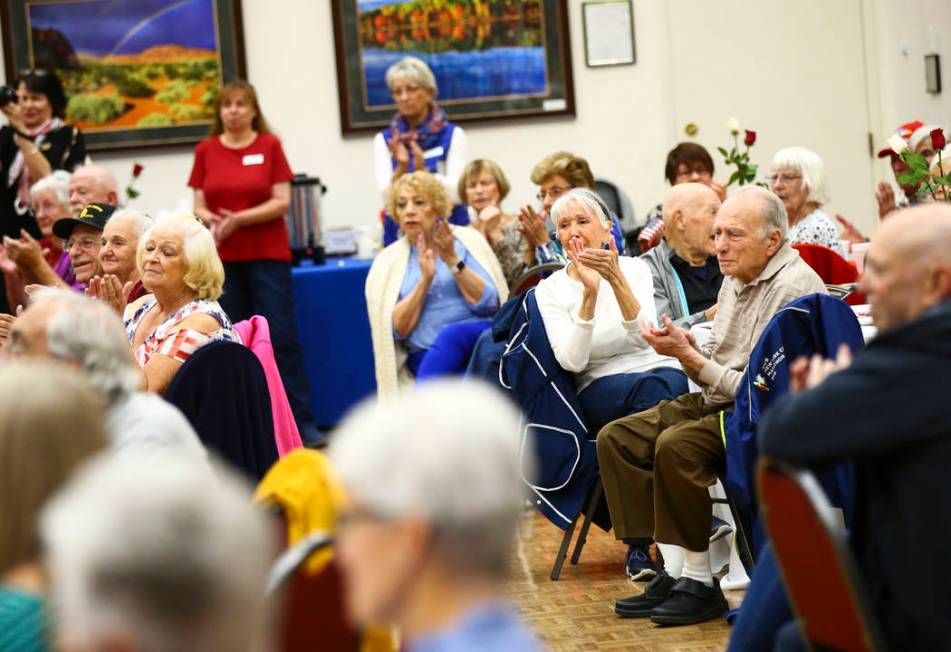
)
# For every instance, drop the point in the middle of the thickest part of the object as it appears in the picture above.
(743, 311)
(23, 626)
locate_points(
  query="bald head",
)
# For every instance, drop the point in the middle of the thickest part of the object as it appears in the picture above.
(684, 196)
(91, 183)
(908, 267)
(689, 209)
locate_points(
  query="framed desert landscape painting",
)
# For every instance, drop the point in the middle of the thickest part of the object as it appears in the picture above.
(136, 72)
(493, 59)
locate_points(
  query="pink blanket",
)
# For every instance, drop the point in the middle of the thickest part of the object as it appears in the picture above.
(256, 335)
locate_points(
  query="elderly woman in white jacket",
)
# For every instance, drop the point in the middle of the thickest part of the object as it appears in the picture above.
(592, 310)
(431, 293)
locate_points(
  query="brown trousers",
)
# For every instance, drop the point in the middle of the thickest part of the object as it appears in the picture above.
(656, 467)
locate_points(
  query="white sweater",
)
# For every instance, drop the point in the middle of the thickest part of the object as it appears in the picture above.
(382, 292)
(605, 345)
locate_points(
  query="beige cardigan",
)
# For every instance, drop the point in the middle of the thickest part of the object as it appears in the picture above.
(383, 291)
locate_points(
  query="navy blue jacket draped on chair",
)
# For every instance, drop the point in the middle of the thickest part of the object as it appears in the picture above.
(223, 392)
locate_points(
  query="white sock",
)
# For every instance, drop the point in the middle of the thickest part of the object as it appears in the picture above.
(673, 559)
(697, 566)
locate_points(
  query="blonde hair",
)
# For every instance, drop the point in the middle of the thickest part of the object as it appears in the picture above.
(204, 274)
(45, 434)
(574, 169)
(423, 184)
(479, 166)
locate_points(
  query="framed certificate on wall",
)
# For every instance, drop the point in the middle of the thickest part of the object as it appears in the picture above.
(608, 32)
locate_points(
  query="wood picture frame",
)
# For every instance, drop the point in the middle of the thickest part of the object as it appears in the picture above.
(493, 60)
(136, 74)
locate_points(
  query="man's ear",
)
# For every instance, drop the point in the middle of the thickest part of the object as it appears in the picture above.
(774, 242)
(676, 219)
(113, 198)
(939, 284)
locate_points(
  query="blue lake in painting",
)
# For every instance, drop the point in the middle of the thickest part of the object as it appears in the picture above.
(494, 72)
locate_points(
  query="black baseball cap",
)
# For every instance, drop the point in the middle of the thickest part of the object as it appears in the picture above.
(95, 215)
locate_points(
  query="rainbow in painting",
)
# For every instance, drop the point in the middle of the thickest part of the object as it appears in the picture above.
(130, 63)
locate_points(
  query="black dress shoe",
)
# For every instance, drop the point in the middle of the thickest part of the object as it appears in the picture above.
(640, 605)
(690, 602)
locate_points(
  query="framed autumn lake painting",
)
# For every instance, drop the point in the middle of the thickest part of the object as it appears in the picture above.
(492, 59)
(136, 72)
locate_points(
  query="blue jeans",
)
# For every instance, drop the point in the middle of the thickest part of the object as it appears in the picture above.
(612, 397)
(765, 609)
(263, 287)
(449, 354)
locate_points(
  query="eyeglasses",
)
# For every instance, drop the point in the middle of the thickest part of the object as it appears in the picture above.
(782, 176)
(699, 171)
(85, 243)
(554, 193)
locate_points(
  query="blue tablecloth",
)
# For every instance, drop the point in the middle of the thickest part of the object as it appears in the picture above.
(334, 335)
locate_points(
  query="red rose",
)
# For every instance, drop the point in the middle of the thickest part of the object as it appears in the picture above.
(137, 169)
(937, 138)
(750, 138)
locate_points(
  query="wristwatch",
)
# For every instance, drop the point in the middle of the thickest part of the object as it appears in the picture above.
(458, 267)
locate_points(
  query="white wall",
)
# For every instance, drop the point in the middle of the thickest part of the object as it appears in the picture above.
(626, 118)
(906, 30)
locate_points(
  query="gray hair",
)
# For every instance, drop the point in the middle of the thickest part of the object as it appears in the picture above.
(810, 166)
(161, 552)
(448, 452)
(58, 182)
(90, 333)
(773, 211)
(412, 68)
(103, 176)
(142, 221)
(585, 197)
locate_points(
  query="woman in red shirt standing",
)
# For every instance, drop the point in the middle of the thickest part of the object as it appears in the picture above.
(242, 189)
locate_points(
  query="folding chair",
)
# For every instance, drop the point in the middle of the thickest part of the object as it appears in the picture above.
(591, 506)
(533, 276)
(815, 561)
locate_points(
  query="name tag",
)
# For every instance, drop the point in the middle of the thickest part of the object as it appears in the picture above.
(252, 159)
(432, 153)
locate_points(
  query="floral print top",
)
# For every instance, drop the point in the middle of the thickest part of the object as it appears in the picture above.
(177, 343)
(817, 228)
(509, 250)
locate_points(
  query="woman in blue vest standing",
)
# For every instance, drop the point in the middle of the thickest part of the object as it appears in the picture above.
(419, 137)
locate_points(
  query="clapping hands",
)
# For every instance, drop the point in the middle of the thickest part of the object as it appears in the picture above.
(108, 288)
(603, 261)
(668, 339)
(589, 276)
(805, 373)
(427, 257)
(532, 226)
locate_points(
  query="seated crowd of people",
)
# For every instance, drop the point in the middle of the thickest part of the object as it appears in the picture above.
(121, 532)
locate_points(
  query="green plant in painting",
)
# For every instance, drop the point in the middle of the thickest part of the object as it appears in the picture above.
(174, 91)
(97, 109)
(188, 113)
(154, 120)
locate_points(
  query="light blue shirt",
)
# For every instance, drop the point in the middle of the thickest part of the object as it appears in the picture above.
(489, 628)
(444, 302)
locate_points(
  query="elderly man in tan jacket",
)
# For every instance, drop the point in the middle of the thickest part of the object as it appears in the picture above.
(657, 465)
